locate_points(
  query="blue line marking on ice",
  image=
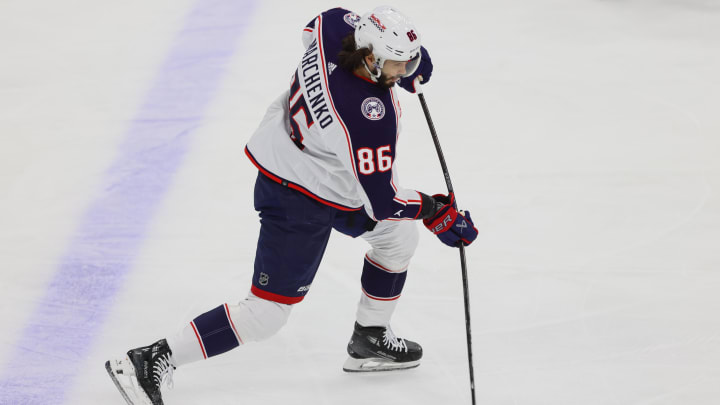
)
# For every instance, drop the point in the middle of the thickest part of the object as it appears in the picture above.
(60, 331)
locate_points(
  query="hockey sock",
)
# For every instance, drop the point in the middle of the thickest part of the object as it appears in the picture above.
(373, 312)
(216, 332)
(227, 327)
(381, 289)
(185, 346)
(208, 335)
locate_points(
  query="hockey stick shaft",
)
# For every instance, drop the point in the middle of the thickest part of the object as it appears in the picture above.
(463, 263)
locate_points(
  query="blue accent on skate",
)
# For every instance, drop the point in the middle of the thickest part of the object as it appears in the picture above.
(381, 283)
(216, 332)
(61, 330)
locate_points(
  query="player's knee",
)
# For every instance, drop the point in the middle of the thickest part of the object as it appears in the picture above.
(406, 250)
(257, 319)
(399, 246)
(407, 239)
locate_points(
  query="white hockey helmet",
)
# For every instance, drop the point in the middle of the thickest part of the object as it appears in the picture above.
(390, 35)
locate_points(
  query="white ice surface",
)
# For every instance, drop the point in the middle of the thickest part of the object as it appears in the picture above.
(583, 135)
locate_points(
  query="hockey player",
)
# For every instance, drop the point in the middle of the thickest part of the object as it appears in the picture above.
(325, 153)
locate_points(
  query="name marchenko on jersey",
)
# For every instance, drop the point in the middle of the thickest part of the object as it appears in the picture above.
(315, 92)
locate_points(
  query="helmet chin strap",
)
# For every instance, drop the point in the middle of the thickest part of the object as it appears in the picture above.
(373, 76)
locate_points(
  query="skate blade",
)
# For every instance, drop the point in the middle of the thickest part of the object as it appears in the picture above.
(376, 364)
(122, 374)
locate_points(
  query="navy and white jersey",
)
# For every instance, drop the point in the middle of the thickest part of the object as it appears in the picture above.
(333, 134)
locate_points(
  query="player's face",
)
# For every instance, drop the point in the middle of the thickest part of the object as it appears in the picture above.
(392, 72)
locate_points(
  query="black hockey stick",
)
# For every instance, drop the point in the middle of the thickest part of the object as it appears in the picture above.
(463, 265)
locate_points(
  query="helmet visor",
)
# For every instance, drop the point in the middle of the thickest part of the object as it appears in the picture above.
(412, 65)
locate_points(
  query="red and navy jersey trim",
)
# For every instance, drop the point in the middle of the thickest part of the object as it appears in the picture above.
(332, 103)
(296, 187)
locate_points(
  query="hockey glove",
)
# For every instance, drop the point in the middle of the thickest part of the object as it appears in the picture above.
(424, 69)
(451, 227)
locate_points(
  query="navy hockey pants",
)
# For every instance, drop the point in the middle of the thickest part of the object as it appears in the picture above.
(294, 232)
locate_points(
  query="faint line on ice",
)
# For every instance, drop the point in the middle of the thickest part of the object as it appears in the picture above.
(63, 325)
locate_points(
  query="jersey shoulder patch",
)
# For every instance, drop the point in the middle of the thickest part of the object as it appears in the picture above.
(352, 19)
(373, 108)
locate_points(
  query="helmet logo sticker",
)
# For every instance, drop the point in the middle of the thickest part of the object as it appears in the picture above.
(373, 108)
(351, 19)
(376, 22)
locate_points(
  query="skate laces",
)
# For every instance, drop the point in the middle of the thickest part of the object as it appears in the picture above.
(163, 371)
(393, 342)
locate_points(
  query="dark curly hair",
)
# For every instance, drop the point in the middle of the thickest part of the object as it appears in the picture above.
(351, 58)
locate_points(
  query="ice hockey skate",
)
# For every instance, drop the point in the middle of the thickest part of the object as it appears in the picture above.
(141, 373)
(376, 348)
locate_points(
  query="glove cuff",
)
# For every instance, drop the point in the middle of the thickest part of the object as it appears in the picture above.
(430, 206)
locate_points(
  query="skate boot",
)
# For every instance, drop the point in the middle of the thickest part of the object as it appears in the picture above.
(141, 372)
(375, 348)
